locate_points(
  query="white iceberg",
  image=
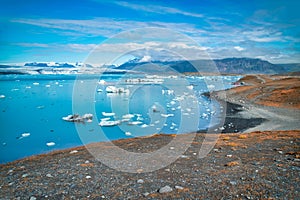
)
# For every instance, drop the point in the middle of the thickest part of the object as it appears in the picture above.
(109, 123)
(78, 118)
(127, 133)
(25, 134)
(144, 126)
(2, 96)
(135, 123)
(101, 82)
(105, 114)
(50, 144)
(167, 115)
(113, 89)
(128, 116)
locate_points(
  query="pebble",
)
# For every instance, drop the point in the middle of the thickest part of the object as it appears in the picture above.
(49, 175)
(172, 148)
(178, 187)
(87, 162)
(25, 175)
(88, 177)
(229, 156)
(146, 194)
(233, 182)
(183, 156)
(165, 189)
(32, 198)
(280, 152)
(74, 151)
(140, 181)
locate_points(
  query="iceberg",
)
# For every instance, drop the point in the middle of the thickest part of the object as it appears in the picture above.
(2, 96)
(135, 123)
(167, 115)
(50, 144)
(25, 134)
(105, 114)
(78, 118)
(113, 89)
(109, 123)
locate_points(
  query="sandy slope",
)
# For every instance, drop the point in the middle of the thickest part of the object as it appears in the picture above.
(267, 97)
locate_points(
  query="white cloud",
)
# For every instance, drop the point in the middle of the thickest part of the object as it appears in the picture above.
(238, 48)
(156, 9)
(31, 44)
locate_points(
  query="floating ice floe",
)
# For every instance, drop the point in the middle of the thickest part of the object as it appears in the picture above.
(47, 86)
(144, 126)
(105, 114)
(135, 123)
(77, 118)
(50, 144)
(113, 89)
(128, 116)
(168, 92)
(109, 123)
(2, 96)
(127, 133)
(25, 134)
(99, 90)
(167, 115)
(190, 87)
(35, 83)
(102, 82)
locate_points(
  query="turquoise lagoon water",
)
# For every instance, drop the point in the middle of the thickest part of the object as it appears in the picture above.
(32, 107)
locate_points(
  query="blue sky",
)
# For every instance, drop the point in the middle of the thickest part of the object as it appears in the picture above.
(67, 31)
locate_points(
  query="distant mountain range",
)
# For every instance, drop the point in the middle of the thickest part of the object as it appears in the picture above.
(224, 66)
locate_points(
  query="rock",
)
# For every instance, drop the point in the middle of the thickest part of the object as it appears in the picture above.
(172, 148)
(88, 177)
(179, 187)
(280, 152)
(74, 151)
(233, 182)
(146, 194)
(140, 181)
(25, 175)
(165, 189)
(32, 198)
(49, 175)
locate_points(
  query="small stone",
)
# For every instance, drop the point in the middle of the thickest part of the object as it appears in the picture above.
(49, 175)
(32, 198)
(229, 155)
(216, 150)
(88, 177)
(74, 151)
(172, 148)
(233, 182)
(194, 154)
(146, 194)
(140, 181)
(183, 156)
(165, 189)
(280, 152)
(167, 170)
(178, 187)
(87, 162)
(24, 175)
(297, 160)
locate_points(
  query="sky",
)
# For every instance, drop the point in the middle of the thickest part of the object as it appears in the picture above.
(68, 31)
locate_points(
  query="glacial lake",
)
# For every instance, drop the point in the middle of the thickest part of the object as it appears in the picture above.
(32, 108)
